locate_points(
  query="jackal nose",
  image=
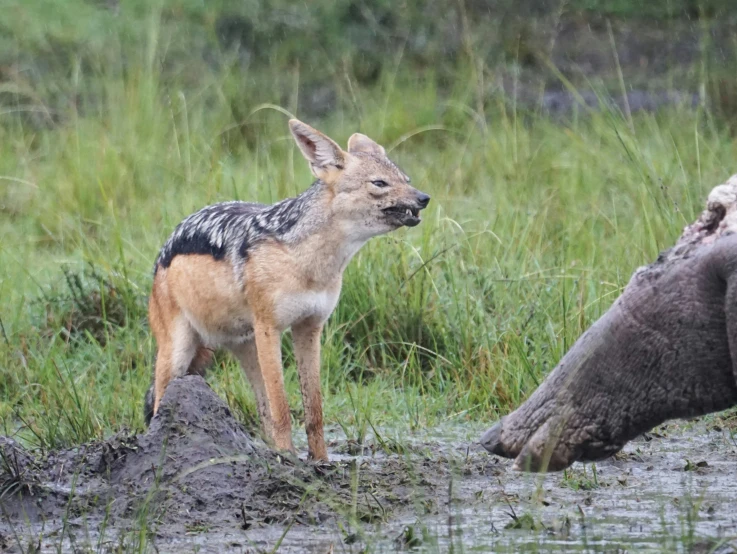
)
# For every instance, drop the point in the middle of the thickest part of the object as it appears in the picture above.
(423, 199)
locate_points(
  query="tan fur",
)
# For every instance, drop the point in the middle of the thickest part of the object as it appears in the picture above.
(199, 303)
(306, 335)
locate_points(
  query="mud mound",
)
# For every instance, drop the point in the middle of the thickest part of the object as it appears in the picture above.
(195, 466)
(193, 426)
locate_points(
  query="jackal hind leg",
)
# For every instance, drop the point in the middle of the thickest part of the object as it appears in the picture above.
(176, 353)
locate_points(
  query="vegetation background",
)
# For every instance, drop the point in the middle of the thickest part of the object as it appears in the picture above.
(565, 143)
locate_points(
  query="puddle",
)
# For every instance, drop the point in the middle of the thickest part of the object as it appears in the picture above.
(671, 491)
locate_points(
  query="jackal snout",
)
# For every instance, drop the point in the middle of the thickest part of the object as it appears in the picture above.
(423, 199)
(408, 213)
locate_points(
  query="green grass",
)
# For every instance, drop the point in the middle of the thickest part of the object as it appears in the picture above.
(534, 228)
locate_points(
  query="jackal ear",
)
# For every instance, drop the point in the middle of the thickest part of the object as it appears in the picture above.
(361, 143)
(324, 155)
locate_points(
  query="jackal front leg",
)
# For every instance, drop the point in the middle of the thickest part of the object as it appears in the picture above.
(306, 337)
(268, 346)
(248, 357)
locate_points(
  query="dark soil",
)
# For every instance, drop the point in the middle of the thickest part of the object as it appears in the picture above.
(195, 469)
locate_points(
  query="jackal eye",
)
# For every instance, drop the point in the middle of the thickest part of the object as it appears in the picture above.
(380, 183)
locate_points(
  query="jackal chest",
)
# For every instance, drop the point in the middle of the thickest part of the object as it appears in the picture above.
(292, 307)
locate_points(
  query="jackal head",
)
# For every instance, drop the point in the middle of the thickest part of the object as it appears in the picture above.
(370, 194)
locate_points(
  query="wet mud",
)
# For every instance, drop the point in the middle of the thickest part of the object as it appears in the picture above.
(195, 470)
(196, 481)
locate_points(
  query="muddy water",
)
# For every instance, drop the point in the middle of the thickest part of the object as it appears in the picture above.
(213, 489)
(673, 491)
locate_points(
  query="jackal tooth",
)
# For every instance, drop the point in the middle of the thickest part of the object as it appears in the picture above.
(408, 211)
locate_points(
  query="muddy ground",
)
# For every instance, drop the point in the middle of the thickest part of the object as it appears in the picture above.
(196, 481)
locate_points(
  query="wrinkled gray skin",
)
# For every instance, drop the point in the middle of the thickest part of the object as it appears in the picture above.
(666, 349)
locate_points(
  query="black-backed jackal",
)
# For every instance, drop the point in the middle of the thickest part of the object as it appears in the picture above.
(238, 274)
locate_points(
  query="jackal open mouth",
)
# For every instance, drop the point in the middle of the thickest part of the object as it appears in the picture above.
(403, 215)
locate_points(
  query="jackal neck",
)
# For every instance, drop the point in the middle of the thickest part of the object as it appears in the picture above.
(319, 238)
